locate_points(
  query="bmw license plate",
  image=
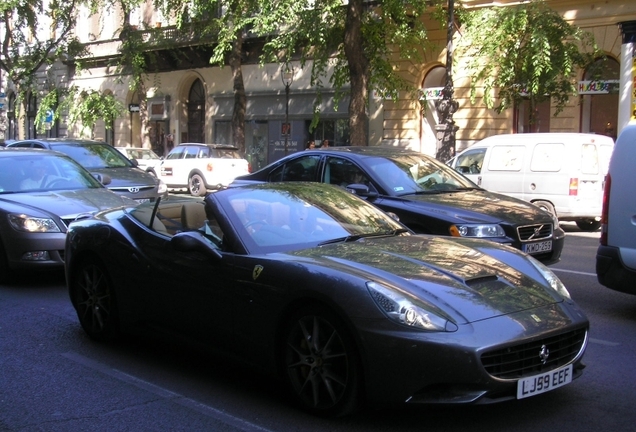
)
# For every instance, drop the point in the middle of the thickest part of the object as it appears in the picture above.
(538, 247)
(542, 383)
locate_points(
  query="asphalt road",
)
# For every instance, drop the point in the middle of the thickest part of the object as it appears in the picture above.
(53, 378)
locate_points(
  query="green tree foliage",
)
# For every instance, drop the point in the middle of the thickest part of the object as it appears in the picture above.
(356, 38)
(35, 34)
(526, 51)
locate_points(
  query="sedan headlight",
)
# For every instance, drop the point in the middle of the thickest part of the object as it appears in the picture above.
(477, 230)
(23, 222)
(407, 310)
(552, 279)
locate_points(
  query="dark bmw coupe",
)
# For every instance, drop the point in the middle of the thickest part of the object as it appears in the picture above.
(343, 301)
(429, 197)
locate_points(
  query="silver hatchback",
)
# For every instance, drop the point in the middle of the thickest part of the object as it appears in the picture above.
(104, 160)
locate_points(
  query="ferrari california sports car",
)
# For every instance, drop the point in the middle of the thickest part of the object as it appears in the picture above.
(338, 297)
(41, 193)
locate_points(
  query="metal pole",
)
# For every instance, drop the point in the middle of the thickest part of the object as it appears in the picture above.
(447, 106)
(287, 76)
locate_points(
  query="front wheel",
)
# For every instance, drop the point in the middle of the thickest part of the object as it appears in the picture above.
(196, 185)
(588, 225)
(94, 300)
(321, 363)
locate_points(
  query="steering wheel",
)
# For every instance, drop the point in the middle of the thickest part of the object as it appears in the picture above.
(255, 222)
(57, 181)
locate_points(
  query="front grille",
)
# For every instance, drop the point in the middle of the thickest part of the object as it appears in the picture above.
(534, 232)
(524, 360)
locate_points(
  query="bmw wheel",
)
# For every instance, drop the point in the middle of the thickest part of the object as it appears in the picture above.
(94, 300)
(321, 363)
(196, 185)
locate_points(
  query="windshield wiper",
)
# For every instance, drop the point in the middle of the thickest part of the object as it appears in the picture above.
(356, 237)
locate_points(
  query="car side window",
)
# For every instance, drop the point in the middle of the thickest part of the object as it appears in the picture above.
(191, 152)
(470, 162)
(342, 172)
(299, 169)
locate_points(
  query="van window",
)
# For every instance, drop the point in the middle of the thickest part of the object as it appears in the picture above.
(470, 161)
(547, 157)
(589, 159)
(506, 158)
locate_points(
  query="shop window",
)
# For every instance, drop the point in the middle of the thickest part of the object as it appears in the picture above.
(524, 122)
(599, 90)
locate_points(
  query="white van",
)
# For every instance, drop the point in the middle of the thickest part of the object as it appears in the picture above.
(562, 173)
(616, 255)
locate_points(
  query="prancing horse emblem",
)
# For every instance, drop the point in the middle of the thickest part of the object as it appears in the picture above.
(257, 271)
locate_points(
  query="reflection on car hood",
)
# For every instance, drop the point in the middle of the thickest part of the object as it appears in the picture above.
(122, 177)
(70, 203)
(473, 279)
(483, 206)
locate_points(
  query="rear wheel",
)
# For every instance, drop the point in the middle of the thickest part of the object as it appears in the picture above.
(321, 363)
(588, 224)
(94, 300)
(196, 185)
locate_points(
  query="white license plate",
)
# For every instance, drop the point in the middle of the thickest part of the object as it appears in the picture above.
(538, 384)
(538, 247)
(143, 200)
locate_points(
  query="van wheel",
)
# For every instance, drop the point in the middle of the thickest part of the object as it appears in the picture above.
(588, 224)
(546, 206)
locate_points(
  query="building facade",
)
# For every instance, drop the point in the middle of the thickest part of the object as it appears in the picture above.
(191, 101)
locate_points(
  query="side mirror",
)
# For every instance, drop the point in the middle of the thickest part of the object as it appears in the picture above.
(103, 178)
(361, 190)
(194, 241)
(135, 162)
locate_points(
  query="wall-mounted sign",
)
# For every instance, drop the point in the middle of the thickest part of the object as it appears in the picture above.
(598, 87)
(432, 93)
(133, 108)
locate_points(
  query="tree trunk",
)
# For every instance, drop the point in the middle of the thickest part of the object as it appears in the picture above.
(240, 100)
(358, 73)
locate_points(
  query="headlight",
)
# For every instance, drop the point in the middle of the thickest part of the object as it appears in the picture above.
(27, 223)
(552, 279)
(408, 311)
(162, 188)
(479, 231)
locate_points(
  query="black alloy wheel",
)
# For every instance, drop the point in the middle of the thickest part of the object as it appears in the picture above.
(321, 363)
(94, 301)
(196, 185)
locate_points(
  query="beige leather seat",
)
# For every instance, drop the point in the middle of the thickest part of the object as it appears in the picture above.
(193, 216)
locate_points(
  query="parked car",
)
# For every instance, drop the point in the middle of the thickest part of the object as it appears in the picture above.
(101, 158)
(145, 159)
(198, 168)
(341, 299)
(427, 196)
(562, 173)
(41, 193)
(616, 254)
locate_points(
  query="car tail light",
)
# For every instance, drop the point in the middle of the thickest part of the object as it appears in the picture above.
(210, 167)
(574, 187)
(605, 211)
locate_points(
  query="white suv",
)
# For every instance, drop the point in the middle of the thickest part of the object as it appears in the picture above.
(616, 255)
(198, 167)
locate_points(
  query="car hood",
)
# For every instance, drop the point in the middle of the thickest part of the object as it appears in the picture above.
(479, 206)
(69, 204)
(471, 280)
(124, 177)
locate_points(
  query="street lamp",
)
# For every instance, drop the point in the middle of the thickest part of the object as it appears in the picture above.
(287, 76)
(447, 106)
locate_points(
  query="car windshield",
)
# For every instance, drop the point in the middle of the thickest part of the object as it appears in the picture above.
(94, 156)
(282, 216)
(409, 174)
(42, 173)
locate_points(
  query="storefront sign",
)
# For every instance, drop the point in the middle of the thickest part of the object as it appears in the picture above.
(432, 93)
(598, 87)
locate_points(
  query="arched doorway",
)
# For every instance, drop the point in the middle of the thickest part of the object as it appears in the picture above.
(196, 112)
(599, 107)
